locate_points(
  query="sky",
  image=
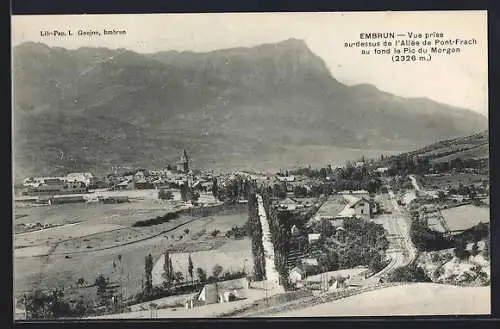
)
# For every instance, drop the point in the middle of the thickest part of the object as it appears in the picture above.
(456, 79)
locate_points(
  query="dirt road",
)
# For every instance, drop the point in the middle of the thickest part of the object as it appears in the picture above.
(271, 273)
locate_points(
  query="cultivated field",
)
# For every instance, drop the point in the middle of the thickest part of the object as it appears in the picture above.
(231, 256)
(453, 180)
(58, 257)
(464, 217)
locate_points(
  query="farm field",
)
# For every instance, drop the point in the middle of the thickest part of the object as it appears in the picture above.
(122, 213)
(231, 256)
(442, 182)
(464, 217)
(478, 152)
(58, 257)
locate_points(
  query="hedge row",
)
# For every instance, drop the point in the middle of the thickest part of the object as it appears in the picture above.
(157, 220)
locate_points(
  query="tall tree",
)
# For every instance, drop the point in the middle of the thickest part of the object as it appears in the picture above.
(167, 272)
(171, 267)
(190, 267)
(217, 270)
(148, 268)
(185, 192)
(202, 276)
(102, 287)
(215, 188)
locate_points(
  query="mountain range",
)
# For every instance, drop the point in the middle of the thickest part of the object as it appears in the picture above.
(93, 108)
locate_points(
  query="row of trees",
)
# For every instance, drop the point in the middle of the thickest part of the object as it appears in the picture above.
(279, 227)
(350, 177)
(255, 229)
(233, 190)
(414, 164)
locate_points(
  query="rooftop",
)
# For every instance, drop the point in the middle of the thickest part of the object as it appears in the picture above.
(332, 206)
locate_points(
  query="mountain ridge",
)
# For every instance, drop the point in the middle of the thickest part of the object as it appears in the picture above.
(245, 102)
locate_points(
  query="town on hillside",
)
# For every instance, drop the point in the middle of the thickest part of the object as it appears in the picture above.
(185, 238)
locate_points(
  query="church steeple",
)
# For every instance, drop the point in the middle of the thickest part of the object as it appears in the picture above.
(183, 164)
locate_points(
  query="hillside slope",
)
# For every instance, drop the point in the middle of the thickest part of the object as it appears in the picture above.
(411, 299)
(475, 146)
(101, 107)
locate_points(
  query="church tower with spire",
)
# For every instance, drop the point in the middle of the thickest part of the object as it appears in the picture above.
(183, 163)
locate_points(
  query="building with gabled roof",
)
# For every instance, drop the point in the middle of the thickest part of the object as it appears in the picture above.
(220, 292)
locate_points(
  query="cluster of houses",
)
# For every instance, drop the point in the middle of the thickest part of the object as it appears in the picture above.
(73, 183)
(165, 178)
(336, 208)
(343, 205)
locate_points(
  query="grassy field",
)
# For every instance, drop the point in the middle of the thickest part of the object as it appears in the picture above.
(57, 257)
(464, 217)
(121, 214)
(454, 180)
(231, 256)
(479, 152)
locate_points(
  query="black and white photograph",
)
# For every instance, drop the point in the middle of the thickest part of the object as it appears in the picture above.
(233, 165)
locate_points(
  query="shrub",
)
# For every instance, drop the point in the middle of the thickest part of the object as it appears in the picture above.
(165, 194)
(438, 272)
(217, 270)
(41, 305)
(157, 220)
(215, 233)
(426, 239)
(410, 273)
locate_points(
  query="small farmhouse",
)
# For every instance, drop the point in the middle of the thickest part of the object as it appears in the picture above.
(296, 274)
(223, 292)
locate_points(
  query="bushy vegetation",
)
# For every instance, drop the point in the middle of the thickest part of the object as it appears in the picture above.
(279, 226)
(426, 239)
(157, 220)
(237, 232)
(41, 305)
(346, 178)
(165, 195)
(476, 233)
(409, 273)
(360, 243)
(233, 191)
(460, 249)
